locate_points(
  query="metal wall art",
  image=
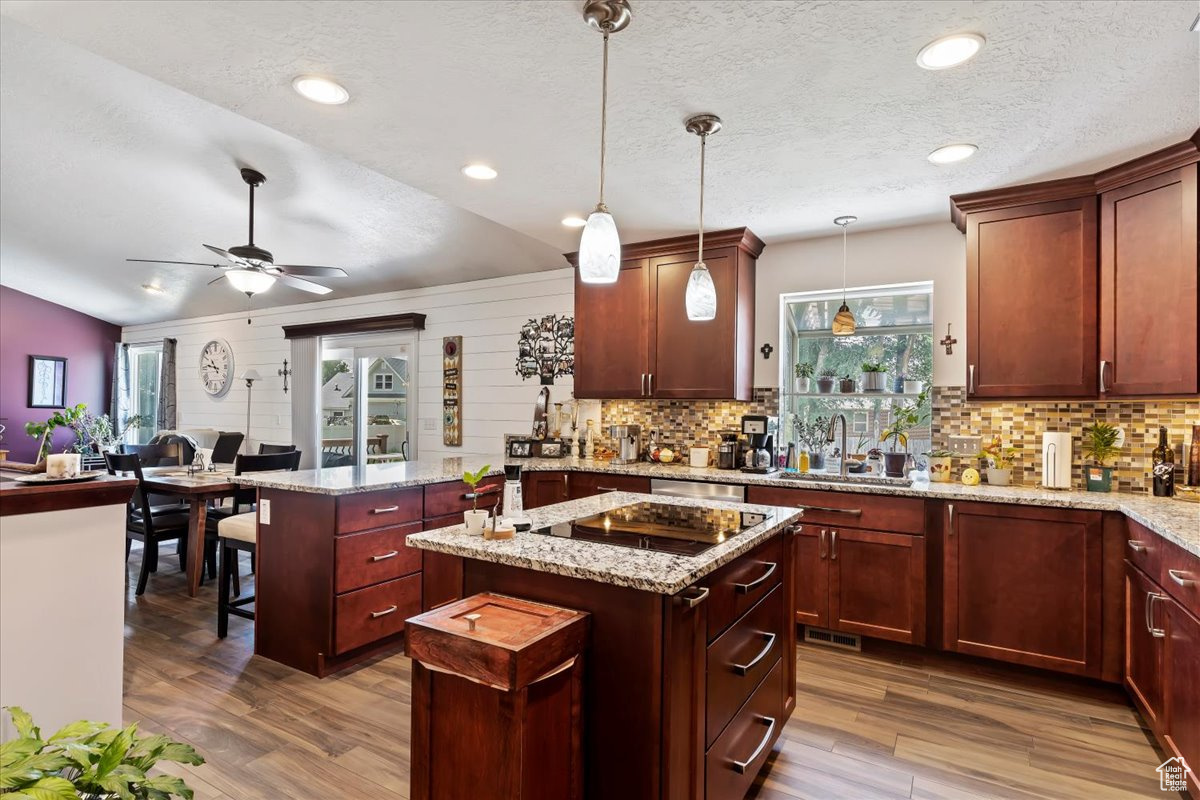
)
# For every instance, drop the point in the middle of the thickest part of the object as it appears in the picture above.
(546, 348)
(452, 391)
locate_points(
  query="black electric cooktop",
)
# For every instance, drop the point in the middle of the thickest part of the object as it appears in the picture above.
(660, 527)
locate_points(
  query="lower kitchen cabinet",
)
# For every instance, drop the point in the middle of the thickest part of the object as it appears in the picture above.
(1023, 584)
(877, 584)
(812, 578)
(544, 488)
(1181, 687)
(1143, 645)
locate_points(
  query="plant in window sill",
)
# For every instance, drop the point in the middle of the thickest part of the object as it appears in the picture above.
(90, 760)
(846, 385)
(904, 419)
(825, 381)
(874, 377)
(804, 373)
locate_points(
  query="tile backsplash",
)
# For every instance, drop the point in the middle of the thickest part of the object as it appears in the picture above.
(1021, 423)
(688, 422)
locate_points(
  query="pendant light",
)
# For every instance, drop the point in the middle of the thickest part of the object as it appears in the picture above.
(701, 295)
(600, 246)
(843, 323)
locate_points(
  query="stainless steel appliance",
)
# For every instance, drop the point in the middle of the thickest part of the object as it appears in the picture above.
(514, 505)
(760, 431)
(659, 527)
(729, 452)
(627, 440)
(699, 490)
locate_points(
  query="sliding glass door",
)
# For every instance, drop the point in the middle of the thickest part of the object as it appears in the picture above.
(368, 399)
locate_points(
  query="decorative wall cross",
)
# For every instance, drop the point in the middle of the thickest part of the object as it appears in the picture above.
(948, 342)
(766, 350)
(285, 373)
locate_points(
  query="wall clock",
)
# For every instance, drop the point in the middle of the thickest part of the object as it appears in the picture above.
(216, 367)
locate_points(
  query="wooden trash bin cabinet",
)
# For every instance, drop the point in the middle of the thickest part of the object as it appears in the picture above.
(497, 695)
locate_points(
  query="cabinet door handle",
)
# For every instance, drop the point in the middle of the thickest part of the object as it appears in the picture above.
(1177, 576)
(740, 767)
(950, 523)
(1103, 364)
(607, 489)
(1151, 597)
(385, 510)
(854, 512)
(385, 556)
(650, 385)
(833, 545)
(566, 485)
(384, 613)
(695, 600)
(971, 379)
(742, 669)
(1136, 546)
(747, 588)
(643, 384)
(822, 551)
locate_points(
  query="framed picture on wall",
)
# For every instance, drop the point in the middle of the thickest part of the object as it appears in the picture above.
(47, 382)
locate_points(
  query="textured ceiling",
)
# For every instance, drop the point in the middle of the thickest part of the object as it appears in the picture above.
(825, 110)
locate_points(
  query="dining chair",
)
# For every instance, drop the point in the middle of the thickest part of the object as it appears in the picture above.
(156, 455)
(272, 449)
(141, 524)
(226, 448)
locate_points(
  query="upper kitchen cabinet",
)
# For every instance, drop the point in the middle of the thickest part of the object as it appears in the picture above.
(1102, 269)
(633, 338)
(1148, 289)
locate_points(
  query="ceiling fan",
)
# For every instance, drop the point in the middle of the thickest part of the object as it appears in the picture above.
(251, 269)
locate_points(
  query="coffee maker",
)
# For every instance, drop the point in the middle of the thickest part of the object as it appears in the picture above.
(729, 452)
(760, 431)
(628, 442)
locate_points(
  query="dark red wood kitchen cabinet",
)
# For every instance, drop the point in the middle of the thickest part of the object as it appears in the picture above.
(1023, 584)
(812, 578)
(1148, 286)
(1032, 299)
(1181, 695)
(590, 484)
(544, 488)
(633, 338)
(877, 584)
(1143, 646)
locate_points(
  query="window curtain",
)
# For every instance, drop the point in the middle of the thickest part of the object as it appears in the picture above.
(306, 400)
(166, 388)
(118, 409)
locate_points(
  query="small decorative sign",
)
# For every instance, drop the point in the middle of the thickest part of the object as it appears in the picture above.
(546, 348)
(452, 391)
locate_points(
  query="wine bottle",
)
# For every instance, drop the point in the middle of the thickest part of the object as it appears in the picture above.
(1164, 466)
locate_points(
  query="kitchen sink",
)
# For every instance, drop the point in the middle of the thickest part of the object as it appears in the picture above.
(860, 479)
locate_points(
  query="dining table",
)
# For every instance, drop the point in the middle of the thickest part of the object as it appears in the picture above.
(196, 489)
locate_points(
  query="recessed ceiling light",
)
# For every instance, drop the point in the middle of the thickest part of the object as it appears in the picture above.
(320, 90)
(480, 172)
(152, 289)
(951, 153)
(574, 222)
(950, 51)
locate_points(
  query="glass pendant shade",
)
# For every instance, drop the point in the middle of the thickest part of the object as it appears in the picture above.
(250, 281)
(843, 322)
(599, 249)
(701, 295)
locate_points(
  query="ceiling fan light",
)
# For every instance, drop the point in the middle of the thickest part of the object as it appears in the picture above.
(250, 281)
(843, 322)
(700, 297)
(599, 249)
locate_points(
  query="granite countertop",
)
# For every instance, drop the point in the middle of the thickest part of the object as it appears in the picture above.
(1175, 520)
(646, 570)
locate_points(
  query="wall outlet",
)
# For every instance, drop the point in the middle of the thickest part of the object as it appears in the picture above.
(264, 512)
(965, 445)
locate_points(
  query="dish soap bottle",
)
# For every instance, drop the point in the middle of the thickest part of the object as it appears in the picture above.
(1164, 466)
(803, 465)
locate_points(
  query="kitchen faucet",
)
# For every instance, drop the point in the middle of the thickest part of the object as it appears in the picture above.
(829, 438)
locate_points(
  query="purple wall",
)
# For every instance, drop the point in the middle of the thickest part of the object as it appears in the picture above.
(31, 326)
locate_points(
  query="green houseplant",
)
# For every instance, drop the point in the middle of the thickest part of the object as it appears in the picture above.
(941, 466)
(475, 519)
(1101, 442)
(874, 377)
(904, 419)
(89, 760)
(825, 381)
(804, 373)
(1000, 462)
(846, 384)
(811, 436)
(44, 431)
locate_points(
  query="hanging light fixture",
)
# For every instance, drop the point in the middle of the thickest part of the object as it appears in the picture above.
(600, 246)
(843, 322)
(701, 295)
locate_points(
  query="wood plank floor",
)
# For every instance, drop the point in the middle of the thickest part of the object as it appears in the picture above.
(894, 722)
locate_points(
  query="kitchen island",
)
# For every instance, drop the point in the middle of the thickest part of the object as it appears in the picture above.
(691, 665)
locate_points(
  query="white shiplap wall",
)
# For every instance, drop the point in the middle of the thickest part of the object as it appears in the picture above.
(487, 314)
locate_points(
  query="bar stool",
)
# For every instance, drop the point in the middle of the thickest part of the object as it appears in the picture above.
(238, 532)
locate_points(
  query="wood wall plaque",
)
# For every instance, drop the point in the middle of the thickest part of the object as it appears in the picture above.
(452, 391)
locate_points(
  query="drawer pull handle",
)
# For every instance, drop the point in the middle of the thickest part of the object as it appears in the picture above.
(480, 492)
(1177, 576)
(742, 669)
(697, 599)
(384, 613)
(856, 512)
(1151, 597)
(607, 489)
(1136, 546)
(740, 767)
(385, 510)
(747, 588)
(385, 556)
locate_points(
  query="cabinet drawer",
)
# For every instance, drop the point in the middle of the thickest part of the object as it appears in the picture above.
(374, 613)
(362, 559)
(736, 587)
(1180, 575)
(740, 658)
(589, 484)
(361, 512)
(1143, 548)
(842, 509)
(442, 499)
(742, 749)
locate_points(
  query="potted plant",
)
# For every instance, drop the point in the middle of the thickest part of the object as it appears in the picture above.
(44, 431)
(912, 386)
(91, 760)
(811, 436)
(941, 466)
(1101, 443)
(1000, 461)
(825, 381)
(475, 519)
(904, 419)
(874, 377)
(804, 373)
(846, 384)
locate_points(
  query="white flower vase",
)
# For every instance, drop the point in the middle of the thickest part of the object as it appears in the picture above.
(475, 521)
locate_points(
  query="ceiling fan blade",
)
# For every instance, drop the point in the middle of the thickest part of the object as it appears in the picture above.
(300, 283)
(311, 272)
(159, 261)
(241, 262)
(217, 279)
